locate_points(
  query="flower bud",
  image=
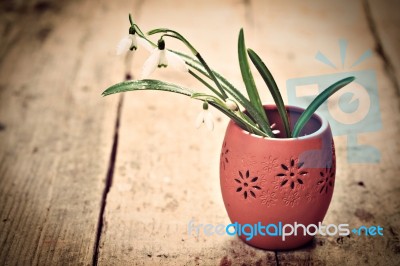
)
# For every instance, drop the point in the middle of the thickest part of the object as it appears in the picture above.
(231, 105)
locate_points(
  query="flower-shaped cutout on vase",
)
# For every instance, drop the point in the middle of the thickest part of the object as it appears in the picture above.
(247, 185)
(224, 156)
(292, 175)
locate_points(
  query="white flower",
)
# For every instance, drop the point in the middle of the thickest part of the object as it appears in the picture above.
(160, 57)
(205, 117)
(130, 43)
(127, 43)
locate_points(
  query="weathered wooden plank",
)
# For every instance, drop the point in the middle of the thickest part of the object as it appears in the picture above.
(289, 36)
(166, 170)
(56, 133)
(385, 25)
(14, 13)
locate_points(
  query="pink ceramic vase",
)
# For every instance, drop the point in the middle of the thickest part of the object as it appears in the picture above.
(278, 180)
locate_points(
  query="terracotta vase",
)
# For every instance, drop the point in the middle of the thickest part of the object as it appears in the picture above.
(278, 180)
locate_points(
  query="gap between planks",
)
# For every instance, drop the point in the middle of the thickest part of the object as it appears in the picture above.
(111, 166)
(108, 180)
(109, 177)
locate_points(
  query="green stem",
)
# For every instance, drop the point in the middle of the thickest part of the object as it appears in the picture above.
(195, 53)
(210, 72)
(205, 83)
(241, 119)
(131, 20)
(242, 122)
(178, 36)
(229, 88)
(237, 115)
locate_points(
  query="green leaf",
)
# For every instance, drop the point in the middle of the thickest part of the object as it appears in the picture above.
(249, 82)
(273, 88)
(243, 123)
(157, 85)
(205, 83)
(177, 35)
(239, 117)
(234, 92)
(207, 97)
(146, 84)
(322, 97)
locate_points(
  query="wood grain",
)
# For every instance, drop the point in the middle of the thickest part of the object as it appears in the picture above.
(167, 174)
(166, 171)
(56, 135)
(385, 28)
(365, 193)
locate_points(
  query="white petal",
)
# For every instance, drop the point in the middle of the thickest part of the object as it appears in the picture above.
(276, 131)
(273, 125)
(124, 45)
(163, 59)
(208, 120)
(134, 41)
(145, 44)
(151, 63)
(176, 62)
(199, 119)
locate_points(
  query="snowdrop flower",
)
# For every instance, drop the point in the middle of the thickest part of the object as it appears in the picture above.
(130, 42)
(205, 117)
(161, 57)
(127, 43)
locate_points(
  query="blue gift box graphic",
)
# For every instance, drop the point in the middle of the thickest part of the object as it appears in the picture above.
(354, 110)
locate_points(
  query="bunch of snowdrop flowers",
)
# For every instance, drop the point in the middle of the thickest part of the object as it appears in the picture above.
(160, 57)
(224, 96)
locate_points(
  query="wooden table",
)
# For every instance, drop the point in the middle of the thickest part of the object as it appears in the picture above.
(114, 181)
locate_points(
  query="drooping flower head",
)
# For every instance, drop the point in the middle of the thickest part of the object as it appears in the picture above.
(161, 57)
(128, 43)
(205, 117)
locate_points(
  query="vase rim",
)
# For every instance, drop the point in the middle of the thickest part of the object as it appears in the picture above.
(324, 124)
